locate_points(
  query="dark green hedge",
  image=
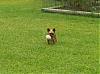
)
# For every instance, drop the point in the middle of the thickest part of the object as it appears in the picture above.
(79, 4)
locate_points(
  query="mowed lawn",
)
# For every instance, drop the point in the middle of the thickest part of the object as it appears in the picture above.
(23, 47)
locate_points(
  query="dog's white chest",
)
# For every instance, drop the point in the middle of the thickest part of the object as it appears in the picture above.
(48, 37)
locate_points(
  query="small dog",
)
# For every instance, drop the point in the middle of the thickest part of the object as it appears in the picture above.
(51, 36)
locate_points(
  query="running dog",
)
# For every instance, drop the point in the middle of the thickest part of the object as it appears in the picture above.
(51, 36)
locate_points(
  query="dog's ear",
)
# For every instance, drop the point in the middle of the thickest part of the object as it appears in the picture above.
(48, 29)
(54, 29)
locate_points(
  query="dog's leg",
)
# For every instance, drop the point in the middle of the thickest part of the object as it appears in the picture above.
(48, 41)
(53, 41)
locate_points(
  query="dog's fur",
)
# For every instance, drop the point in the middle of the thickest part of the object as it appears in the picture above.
(52, 34)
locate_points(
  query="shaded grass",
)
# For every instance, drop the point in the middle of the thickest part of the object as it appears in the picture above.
(23, 49)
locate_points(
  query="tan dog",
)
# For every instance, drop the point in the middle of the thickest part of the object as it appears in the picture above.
(51, 36)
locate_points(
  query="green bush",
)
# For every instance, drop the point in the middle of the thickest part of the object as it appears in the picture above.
(78, 4)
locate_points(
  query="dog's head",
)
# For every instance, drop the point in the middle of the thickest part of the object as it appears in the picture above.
(51, 32)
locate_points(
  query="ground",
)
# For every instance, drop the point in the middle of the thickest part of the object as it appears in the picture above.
(24, 50)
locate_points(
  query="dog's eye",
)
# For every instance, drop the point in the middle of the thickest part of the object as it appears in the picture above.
(51, 33)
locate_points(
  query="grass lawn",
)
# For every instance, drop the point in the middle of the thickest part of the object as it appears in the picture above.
(23, 48)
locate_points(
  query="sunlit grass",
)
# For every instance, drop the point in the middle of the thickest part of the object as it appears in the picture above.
(23, 48)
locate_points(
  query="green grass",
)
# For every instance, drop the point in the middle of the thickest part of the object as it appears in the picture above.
(23, 48)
